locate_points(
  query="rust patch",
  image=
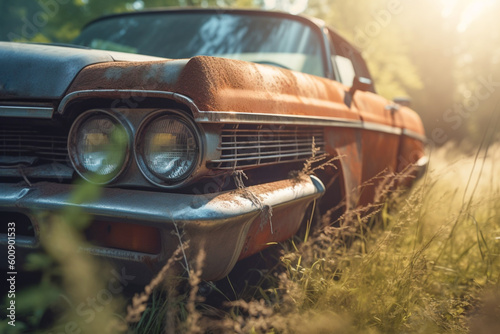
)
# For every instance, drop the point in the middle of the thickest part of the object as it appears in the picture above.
(217, 84)
(122, 75)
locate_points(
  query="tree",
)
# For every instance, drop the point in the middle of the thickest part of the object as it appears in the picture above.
(424, 49)
(369, 24)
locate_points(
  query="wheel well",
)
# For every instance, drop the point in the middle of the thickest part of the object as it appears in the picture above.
(332, 204)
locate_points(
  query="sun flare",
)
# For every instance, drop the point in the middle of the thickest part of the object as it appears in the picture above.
(470, 12)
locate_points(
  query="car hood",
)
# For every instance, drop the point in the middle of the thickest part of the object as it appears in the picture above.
(44, 72)
(216, 84)
(39, 72)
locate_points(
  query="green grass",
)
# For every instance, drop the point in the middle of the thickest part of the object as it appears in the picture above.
(429, 263)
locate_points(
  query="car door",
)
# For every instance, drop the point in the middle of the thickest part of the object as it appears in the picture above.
(379, 134)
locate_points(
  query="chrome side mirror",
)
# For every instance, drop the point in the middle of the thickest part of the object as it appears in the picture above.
(358, 83)
(402, 101)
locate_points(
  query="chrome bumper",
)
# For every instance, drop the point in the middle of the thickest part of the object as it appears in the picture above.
(218, 223)
(421, 166)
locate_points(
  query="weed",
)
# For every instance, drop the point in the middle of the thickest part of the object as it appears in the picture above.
(423, 261)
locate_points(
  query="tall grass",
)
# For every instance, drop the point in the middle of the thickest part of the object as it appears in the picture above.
(426, 261)
(429, 265)
(72, 294)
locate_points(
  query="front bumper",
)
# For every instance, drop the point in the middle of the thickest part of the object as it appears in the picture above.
(218, 223)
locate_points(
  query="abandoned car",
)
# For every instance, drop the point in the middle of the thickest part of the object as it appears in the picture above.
(196, 125)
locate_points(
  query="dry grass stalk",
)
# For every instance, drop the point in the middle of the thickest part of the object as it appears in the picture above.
(402, 277)
(139, 301)
(309, 168)
(256, 317)
(194, 282)
(266, 210)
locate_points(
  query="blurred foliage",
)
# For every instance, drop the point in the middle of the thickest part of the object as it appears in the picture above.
(75, 293)
(444, 54)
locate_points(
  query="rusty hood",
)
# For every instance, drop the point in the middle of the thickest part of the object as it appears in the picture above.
(218, 84)
(44, 72)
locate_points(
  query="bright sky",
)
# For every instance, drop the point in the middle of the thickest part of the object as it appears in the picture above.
(290, 6)
(471, 12)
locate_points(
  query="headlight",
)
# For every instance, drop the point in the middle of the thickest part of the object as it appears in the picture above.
(167, 148)
(98, 146)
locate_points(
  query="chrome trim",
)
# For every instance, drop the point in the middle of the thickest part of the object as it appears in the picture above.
(423, 161)
(414, 135)
(54, 172)
(71, 152)
(257, 145)
(262, 118)
(305, 155)
(122, 93)
(18, 143)
(241, 117)
(421, 167)
(381, 128)
(26, 112)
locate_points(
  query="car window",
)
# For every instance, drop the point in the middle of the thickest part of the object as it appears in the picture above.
(265, 39)
(347, 60)
(346, 69)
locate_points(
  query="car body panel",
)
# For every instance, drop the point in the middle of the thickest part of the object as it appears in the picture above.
(60, 67)
(217, 84)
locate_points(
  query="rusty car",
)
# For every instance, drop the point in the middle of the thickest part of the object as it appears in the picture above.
(192, 123)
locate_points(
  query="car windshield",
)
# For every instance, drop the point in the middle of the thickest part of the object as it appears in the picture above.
(264, 39)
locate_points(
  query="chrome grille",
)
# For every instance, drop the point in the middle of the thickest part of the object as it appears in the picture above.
(257, 145)
(16, 141)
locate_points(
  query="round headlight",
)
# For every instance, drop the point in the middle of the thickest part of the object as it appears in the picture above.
(167, 148)
(98, 144)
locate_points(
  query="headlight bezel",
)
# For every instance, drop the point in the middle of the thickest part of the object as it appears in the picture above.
(74, 157)
(139, 148)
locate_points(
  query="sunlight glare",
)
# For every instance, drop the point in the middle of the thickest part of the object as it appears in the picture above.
(289, 6)
(472, 12)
